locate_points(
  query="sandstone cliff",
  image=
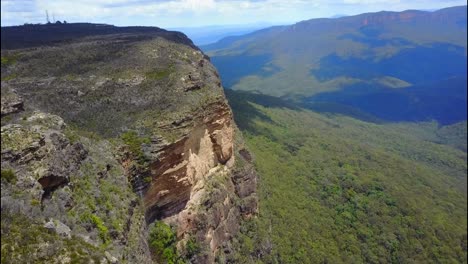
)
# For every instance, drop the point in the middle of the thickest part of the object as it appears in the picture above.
(106, 131)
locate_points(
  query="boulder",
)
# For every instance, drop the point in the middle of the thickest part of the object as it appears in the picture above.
(58, 227)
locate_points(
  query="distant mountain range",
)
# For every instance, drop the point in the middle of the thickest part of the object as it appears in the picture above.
(408, 65)
(211, 34)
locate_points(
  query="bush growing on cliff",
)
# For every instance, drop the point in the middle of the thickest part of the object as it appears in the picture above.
(26, 241)
(162, 241)
(9, 59)
(192, 247)
(9, 176)
(134, 142)
(103, 231)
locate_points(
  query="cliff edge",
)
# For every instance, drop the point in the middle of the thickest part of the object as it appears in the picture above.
(110, 135)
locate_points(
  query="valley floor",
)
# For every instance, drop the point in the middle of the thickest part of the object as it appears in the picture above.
(334, 189)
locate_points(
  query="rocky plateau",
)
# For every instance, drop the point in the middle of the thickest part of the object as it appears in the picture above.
(105, 132)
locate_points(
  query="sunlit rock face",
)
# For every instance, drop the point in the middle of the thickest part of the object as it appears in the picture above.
(111, 129)
(181, 168)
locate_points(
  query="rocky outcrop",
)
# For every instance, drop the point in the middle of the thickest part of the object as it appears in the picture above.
(11, 102)
(115, 129)
(63, 186)
(196, 183)
(196, 186)
(43, 149)
(58, 227)
(181, 167)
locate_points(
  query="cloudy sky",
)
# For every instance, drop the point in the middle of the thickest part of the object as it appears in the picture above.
(193, 13)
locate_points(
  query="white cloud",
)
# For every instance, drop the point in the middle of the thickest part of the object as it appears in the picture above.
(179, 13)
(366, 2)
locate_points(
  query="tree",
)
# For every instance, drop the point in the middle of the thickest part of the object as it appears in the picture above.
(162, 240)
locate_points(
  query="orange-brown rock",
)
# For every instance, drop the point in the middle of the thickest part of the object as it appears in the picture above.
(150, 109)
(183, 164)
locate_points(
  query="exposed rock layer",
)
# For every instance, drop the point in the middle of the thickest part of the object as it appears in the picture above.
(182, 165)
(144, 115)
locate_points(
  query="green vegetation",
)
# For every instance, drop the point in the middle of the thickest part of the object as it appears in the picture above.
(9, 176)
(71, 77)
(192, 248)
(9, 77)
(162, 241)
(5, 120)
(74, 132)
(369, 68)
(134, 142)
(39, 245)
(103, 231)
(454, 135)
(101, 197)
(9, 59)
(71, 135)
(334, 189)
(315, 56)
(148, 179)
(18, 139)
(105, 85)
(160, 74)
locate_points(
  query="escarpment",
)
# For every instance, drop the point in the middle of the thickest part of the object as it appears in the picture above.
(109, 131)
(182, 166)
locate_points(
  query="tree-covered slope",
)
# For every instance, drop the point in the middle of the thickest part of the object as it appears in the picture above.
(334, 189)
(444, 101)
(356, 61)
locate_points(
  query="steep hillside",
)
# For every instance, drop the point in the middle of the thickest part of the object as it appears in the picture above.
(334, 189)
(118, 146)
(368, 56)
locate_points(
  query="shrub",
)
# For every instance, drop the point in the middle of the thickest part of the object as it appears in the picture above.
(9, 59)
(162, 241)
(103, 231)
(160, 74)
(9, 77)
(192, 247)
(134, 142)
(148, 179)
(9, 176)
(35, 202)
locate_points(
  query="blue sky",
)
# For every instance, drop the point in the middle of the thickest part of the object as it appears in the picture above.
(194, 13)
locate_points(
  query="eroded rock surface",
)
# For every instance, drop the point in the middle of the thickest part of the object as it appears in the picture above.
(182, 166)
(109, 130)
(10, 103)
(57, 185)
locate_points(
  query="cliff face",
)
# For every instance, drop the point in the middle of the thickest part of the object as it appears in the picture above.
(181, 167)
(106, 131)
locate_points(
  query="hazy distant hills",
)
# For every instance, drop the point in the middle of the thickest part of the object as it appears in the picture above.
(211, 34)
(356, 185)
(381, 63)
